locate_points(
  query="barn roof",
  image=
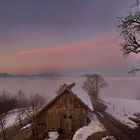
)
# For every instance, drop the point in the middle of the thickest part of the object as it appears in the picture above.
(83, 98)
(78, 91)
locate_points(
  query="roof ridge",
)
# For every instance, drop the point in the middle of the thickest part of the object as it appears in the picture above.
(58, 95)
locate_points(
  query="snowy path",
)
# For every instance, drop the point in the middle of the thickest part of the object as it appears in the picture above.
(116, 128)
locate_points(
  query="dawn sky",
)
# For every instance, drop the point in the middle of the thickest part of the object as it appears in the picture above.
(66, 36)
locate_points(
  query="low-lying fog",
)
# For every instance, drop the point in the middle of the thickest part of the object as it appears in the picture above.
(124, 87)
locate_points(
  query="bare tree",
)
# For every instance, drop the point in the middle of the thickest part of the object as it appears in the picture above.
(2, 125)
(93, 85)
(20, 117)
(34, 104)
(7, 102)
(61, 88)
(21, 98)
(129, 27)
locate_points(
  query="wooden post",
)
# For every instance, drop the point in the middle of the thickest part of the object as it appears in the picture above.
(124, 111)
(113, 107)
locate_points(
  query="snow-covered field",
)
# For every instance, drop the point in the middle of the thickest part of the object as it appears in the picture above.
(123, 109)
(12, 117)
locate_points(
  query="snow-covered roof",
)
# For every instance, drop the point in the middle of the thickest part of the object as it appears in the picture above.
(83, 96)
(78, 93)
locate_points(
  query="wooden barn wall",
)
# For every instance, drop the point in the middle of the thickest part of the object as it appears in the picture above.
(65, 103)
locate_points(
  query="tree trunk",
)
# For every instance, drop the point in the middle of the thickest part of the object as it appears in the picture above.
(97, 106)
(93, 101)
(4, 134)
(20, 121)
(33, 132)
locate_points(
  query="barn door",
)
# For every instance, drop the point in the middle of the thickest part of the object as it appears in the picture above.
(66, 121)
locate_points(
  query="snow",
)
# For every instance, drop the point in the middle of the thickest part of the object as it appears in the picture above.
(53, 136)
(108, 138)
(123, 109)
(86, 131)
(83, 96)
(100, 114)
(11, 117)
(26, 126)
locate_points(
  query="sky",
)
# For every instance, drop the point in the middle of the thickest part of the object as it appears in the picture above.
(64, 36)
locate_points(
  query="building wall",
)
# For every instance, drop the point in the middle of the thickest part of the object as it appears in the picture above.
(66, 113)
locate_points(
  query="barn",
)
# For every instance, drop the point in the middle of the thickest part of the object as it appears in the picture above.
(65, 113)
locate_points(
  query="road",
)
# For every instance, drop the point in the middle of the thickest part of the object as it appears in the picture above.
(117, 129)
(114, 127)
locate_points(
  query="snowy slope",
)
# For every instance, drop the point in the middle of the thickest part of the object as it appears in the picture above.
(84, 132)
(11, 118)
(123, 109)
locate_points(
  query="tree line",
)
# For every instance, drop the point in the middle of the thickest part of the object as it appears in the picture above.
(9, 102)
(19, 100)
(27, 106)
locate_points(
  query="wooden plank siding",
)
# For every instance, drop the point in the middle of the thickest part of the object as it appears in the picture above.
(66, 113)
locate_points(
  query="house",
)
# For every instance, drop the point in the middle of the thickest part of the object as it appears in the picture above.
(66, 112)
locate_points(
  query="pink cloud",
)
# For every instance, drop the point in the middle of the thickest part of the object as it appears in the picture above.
(99, 52)
(64, 49)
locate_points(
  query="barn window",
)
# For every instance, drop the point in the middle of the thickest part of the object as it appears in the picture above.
(67, 116)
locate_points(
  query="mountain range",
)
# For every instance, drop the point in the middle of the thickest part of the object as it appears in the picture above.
(38, 75)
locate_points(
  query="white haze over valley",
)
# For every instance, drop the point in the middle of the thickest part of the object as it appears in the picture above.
(121, 87)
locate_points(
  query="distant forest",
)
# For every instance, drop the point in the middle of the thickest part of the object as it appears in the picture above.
(19, 100)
